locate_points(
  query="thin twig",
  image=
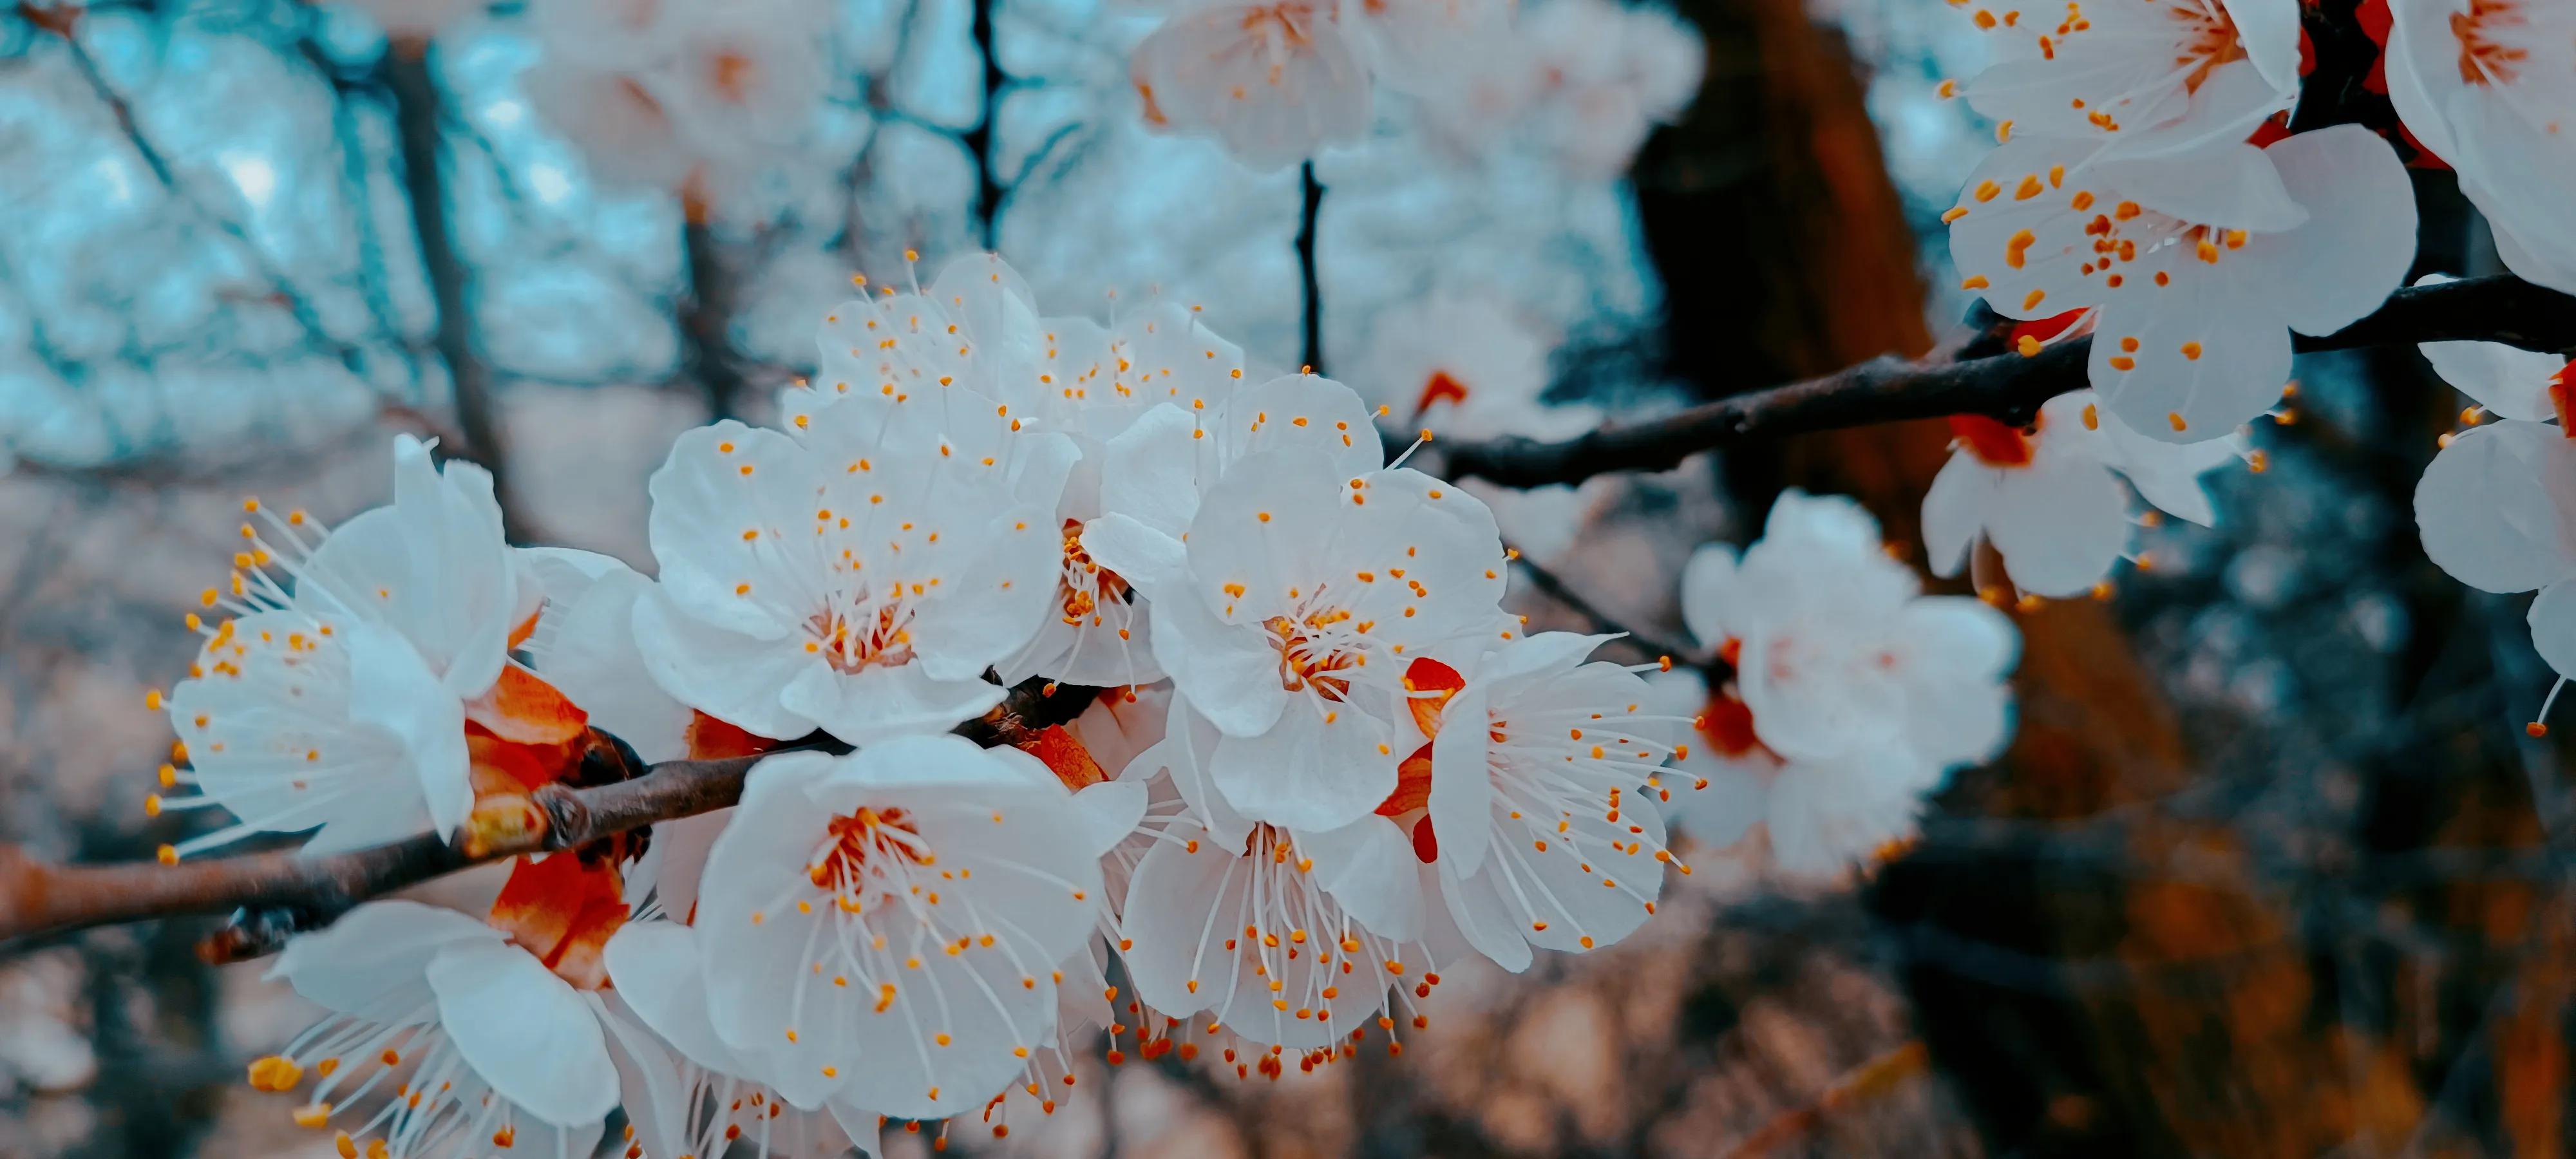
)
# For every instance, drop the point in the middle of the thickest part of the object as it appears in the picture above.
(2495, 309)
(1555, 588)
(706, 317)
(1312, 302)
(979, 141)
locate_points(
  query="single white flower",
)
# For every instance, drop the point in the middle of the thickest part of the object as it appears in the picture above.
(339, 696)
(744, 77)
(1537, 807)
(1833, 646)
(1286, 937)
(484, 1045)
(2199, 263)
(2497, 509)
(2510, 382)
(2146, 77)
(859, 579)
(885, 927)
(1287, 612)
(1275, 82)
(2487, 85)
(2045, 497)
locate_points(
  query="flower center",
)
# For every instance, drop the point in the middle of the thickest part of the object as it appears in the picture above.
(864, 845)
(852, 640)
(1312, 648)
(2209, 40)
(731, 74)
(1086, 584)
(2483, 58)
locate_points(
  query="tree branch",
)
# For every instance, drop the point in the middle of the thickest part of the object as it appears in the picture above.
(418, 124)
(2009, 386)
(1312, 299)
(273, 895)
(979, 140)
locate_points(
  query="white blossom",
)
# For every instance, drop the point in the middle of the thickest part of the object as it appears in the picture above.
(2199, 264)
(2486, 85)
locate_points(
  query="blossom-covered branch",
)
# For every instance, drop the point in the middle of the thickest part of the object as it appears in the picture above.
(2010, 386)
(282, 892)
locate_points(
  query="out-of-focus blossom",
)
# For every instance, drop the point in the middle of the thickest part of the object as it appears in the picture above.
(2488, 86)
(1841, 667)
(2199, 263)
(1604, 75)
(694, 97)
(1469, 366)
(1583, 80)
(2141, 77)
(419, 19)
(2044, 496)
(1275, 82)
(1466, 366)
(883, 927)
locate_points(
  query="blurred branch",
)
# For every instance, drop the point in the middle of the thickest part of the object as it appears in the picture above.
(417, 122)
(979, 140)
(1554, 587)
(2009, 386)
(1864, 1082)
(280, 893)
(1312, 292)
(705, 319)
(159, 163)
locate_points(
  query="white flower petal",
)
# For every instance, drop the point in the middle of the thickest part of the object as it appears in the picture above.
(524, 1030)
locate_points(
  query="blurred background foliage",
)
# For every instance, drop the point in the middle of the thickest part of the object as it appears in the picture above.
(2270, 870)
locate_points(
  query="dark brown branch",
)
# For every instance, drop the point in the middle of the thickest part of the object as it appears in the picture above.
(1554, 587)
(419, 126)
(2496, 309)
(1310, 288)
(706, 321)
(276, 894)
(62, 22)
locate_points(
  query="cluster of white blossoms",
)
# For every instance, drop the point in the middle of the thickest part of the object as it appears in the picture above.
(1853, 694)
(1307, 761)
(2145, 194)
(1276, 81)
